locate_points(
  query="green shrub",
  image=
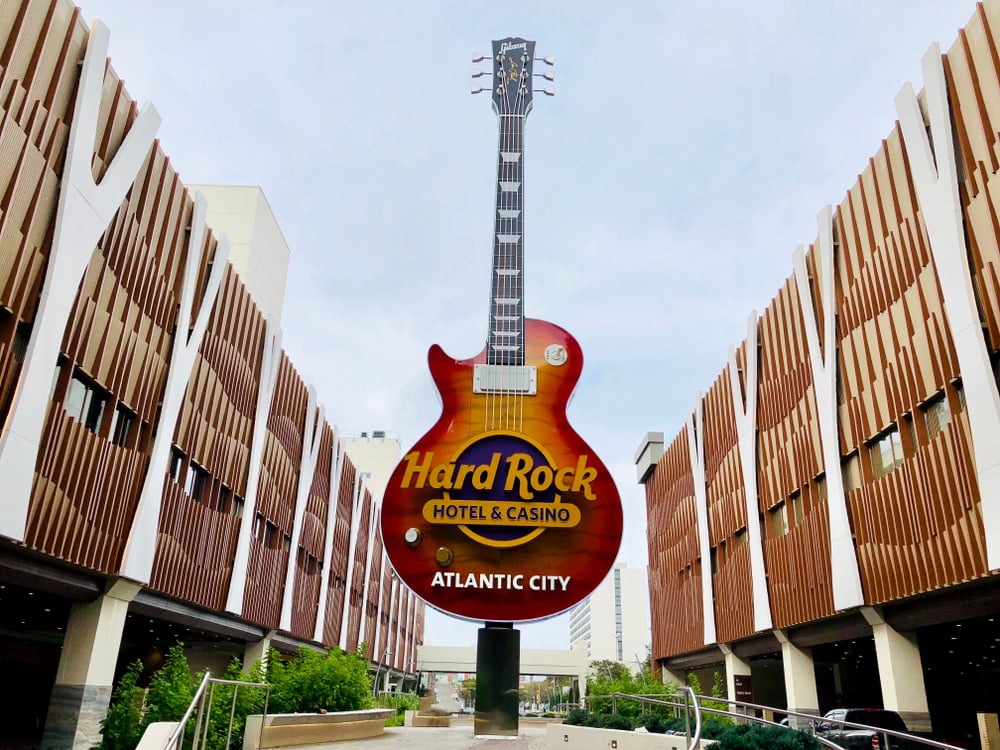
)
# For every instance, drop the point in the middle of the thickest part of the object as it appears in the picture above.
(122, 727)
(172, 688)
(616, 721)
(713, 728)
(401, 702)
(757, 737)
(659, 723)
(247, 701)
(312, 682)
(308, 683)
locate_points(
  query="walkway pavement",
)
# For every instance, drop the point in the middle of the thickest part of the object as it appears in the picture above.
(458, 737)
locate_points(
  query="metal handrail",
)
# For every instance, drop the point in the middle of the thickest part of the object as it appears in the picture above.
(201, 725)
(693, 740)
(813, 719)
(178, 733)
(891, 732)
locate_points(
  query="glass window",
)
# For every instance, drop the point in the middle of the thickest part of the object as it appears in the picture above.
(121, 424)
(797, 512)
(76, 399)
(886, 453)
(197, 479)
(176, 463)
(779, 520)
(937, 415)
(85, 402)
(225, 496)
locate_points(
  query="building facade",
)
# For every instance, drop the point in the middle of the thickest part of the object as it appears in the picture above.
(827, 520)
(168, 476)
(613, 622)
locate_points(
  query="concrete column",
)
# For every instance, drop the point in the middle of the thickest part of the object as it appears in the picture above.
(734, 666)
(900, 672)
(800, 677)
(82, 692)
(669, 676)
(257, 652)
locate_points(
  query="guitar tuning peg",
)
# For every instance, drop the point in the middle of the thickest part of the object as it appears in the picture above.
(478, 58)
(546, 60)
(477, 89)
(476, 73)
(549, 91)
(547, 75)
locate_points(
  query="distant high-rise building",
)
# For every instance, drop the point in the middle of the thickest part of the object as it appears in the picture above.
(613, 622)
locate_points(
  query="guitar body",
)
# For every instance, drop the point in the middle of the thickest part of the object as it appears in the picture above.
(519, 572)
(501, 512)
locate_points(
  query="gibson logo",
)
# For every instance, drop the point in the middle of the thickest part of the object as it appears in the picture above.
(508, 46)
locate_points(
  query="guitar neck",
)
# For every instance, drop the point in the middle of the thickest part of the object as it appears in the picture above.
(506, 338)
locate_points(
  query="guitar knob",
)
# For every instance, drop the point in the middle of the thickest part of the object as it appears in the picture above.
(444, 556)
(556, 354)
(413, 537)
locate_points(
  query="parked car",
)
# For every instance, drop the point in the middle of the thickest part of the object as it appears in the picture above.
(852, 738)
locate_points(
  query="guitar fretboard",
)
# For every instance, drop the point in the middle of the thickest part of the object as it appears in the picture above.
(506, 338)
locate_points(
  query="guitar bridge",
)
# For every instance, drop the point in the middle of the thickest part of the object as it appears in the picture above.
(522, 379)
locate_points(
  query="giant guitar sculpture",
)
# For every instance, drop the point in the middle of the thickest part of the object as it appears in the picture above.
(501, 512)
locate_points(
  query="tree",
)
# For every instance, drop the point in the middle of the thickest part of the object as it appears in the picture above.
(172, 688)
(312, 682)
(122, 727)
(612, 670)
(608, 677)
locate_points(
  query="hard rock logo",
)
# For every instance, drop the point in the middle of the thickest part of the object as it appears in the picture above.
(501, 489)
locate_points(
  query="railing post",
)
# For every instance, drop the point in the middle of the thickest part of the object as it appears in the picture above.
(687, 719)
(232, 715)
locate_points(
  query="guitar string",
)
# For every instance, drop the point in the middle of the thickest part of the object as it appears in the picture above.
(493, 354)
(506, 407)
(510, 264)
(517, 136)
(502, 258)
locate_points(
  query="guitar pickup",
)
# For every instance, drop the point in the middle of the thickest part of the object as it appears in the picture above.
(522, 379)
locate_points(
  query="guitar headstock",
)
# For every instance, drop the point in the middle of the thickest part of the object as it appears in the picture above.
(513, 70)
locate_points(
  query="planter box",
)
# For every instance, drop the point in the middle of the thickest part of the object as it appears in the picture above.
(284, 730)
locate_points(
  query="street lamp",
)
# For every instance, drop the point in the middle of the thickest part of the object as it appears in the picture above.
(378, 668)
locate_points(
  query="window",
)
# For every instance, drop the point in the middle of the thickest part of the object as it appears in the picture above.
(85, 402)
(197, 479)
(851, 470)
(797, 512)
(886, 453)
(714, 557)
(937, 415)
(176, 463)
(121, 424)
(779, 520)
(225, 498)
(270, 535)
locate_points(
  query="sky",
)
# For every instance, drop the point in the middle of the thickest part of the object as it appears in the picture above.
(685, 155)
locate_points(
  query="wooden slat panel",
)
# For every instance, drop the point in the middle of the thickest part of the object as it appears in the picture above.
(674, 565)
